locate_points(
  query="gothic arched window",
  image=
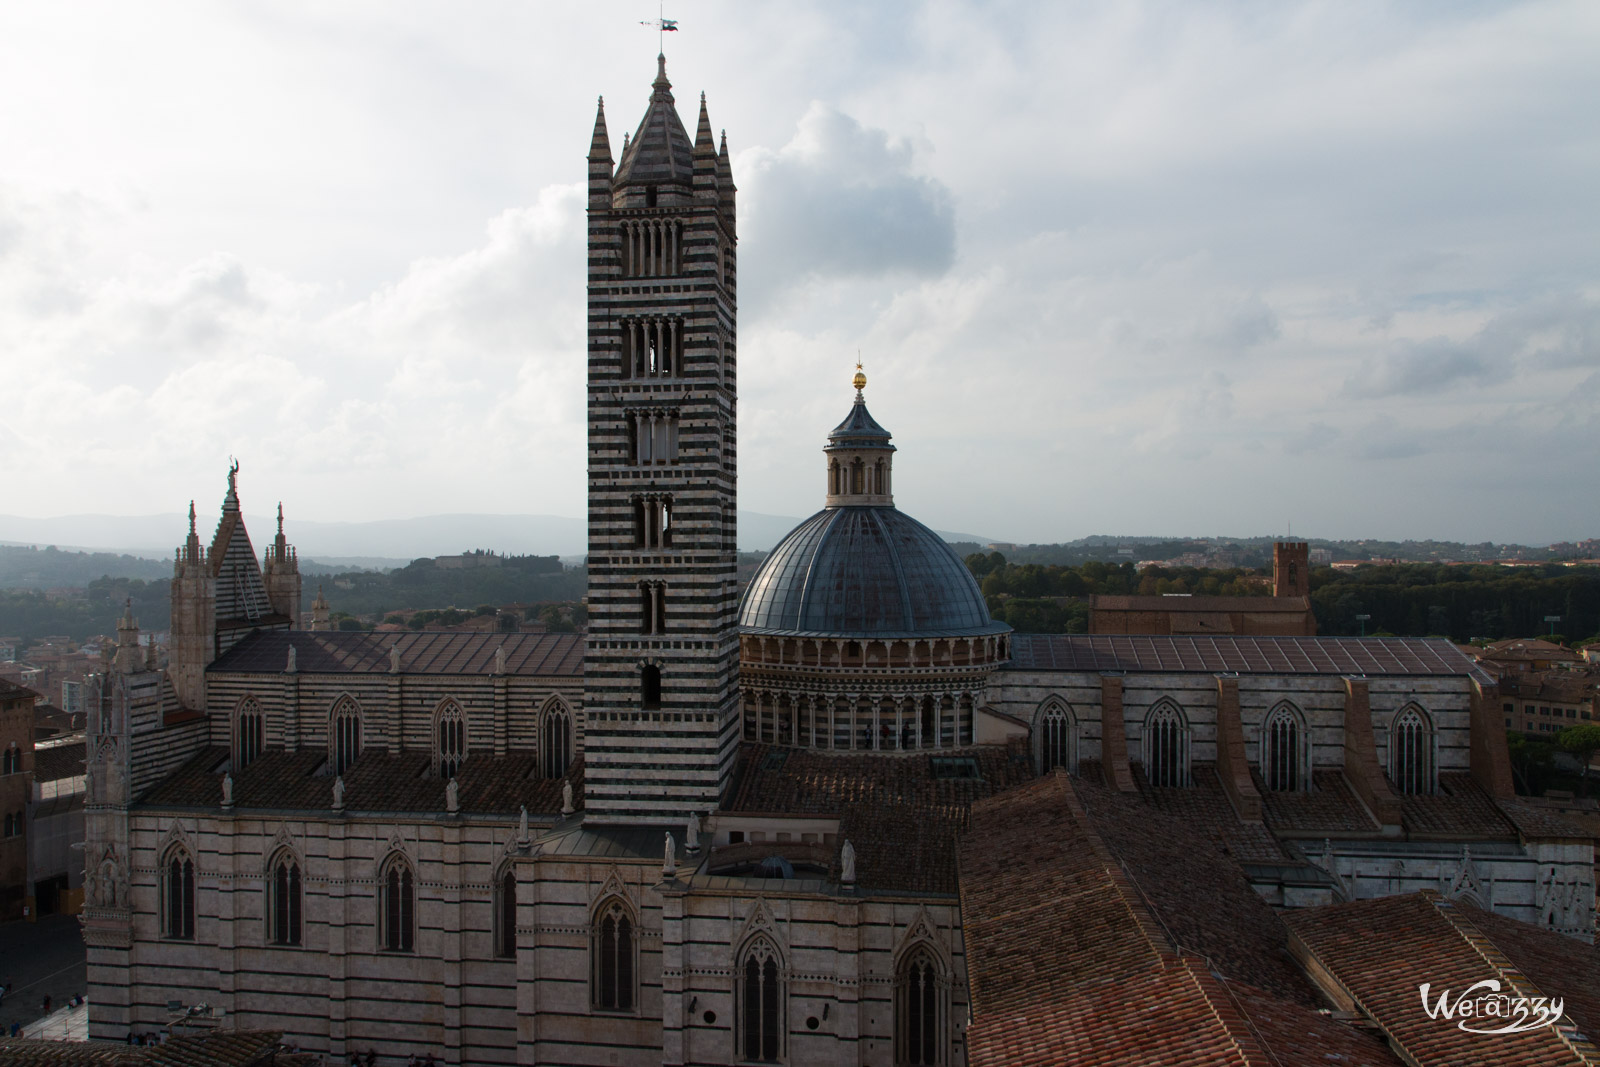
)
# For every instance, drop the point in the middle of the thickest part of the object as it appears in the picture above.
(1283, 750)
(11, 760)
(505, 914)
(249, 733)
(1057, 740)
(612, 956)
(1411, 751)
(177, 895)
(283, 899)
(555, 740)
(760, 994)
(344, 735)
(920, 1010)
(1166, 746)
(397, 904)
(449, 739)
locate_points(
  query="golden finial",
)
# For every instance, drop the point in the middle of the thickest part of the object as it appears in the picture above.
(860, 380)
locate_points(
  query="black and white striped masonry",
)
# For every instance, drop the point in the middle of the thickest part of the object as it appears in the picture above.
(661, 668)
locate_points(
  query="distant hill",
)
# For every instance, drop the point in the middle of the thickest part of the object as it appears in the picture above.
(379, 544)
(52, 568)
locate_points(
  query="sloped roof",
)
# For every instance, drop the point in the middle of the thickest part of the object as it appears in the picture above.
(1426, 938)
(1242, 655)
(422, 652)
(1071, 956)
(216, 1048)
(379, 781)
(661, 150)
(859, 430)
(901, 819)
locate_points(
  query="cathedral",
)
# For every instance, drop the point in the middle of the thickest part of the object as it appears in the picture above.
(844, 818)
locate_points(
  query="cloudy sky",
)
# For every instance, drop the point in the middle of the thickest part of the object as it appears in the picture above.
(1113, 268)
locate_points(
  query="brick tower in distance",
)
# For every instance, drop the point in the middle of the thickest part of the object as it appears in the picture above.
(1291, 568)
(661, 670)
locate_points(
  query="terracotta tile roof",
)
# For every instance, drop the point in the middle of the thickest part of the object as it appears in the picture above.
(425, 652)
(1459, 809)
(1245, 655)
(1186, 866)
(1559, 965)
(1069, 950)
(378, 782)
(1427, 939)
(1328, 808)
(1535, 822)
(1205, 811)
(217, 1048)
(10, 690)
(900, 818)
(58, 761)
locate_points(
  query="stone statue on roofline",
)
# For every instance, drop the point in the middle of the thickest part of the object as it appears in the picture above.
(290, 667)
(566, 798)
(522, 826)
(847, 864)
(338, 793)
(691, 834)
(394, 658)
(669, 863)
(452, 796)
(227, 790)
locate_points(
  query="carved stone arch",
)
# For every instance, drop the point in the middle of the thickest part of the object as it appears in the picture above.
(760, 924)
(451, 735)
(1413, 749)
(1468, 883)
(922, 932)
(282, 841)
(613, 885)
(1283, 748)
(177, 835)
(395, 848)
(1055, 734)
(557, 736)
(1165, 742)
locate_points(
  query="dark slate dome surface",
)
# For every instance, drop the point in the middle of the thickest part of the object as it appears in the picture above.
(867, 571)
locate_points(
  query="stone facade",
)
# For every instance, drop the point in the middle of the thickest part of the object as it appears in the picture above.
(534, 848)
(16, 791)
(662, 657)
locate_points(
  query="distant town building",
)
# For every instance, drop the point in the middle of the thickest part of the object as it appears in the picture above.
(16, 789)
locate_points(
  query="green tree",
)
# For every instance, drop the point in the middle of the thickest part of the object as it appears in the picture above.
(1581, 742)
(1532, 761)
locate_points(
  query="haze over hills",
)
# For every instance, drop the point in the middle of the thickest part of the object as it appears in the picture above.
(349, 545)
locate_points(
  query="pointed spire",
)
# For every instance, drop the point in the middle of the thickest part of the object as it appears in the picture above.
(661, 84)
(191, 520)
(704, 143)
(231, 501)
(280, 518)
(600, 143)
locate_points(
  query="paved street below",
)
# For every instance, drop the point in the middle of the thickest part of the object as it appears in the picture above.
(39, 959)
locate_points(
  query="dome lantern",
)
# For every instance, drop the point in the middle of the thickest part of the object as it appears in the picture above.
(860, 457)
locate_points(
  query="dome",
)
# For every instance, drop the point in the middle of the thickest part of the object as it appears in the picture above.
(864, 571)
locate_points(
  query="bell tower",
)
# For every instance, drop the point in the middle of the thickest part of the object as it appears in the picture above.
(661, 669)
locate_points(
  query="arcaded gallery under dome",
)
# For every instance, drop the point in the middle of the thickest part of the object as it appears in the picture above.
(863, 631)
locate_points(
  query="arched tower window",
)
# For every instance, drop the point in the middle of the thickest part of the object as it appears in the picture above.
(612, 958)
(1283, 750)
(650, 686)
(920, 1010)
(283, 899)
(344, 735)
(1166, 746)
(1058, 741)
(397, 903)
(177, 895)
(1411, 751)
(761, 1005)
(505, 914)
(555, 740)
(449, 739)
(249, 733)
(11, 760)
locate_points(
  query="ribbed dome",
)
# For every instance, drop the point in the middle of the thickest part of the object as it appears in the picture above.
(866, 571)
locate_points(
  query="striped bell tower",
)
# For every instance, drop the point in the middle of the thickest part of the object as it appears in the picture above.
(661, 670)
